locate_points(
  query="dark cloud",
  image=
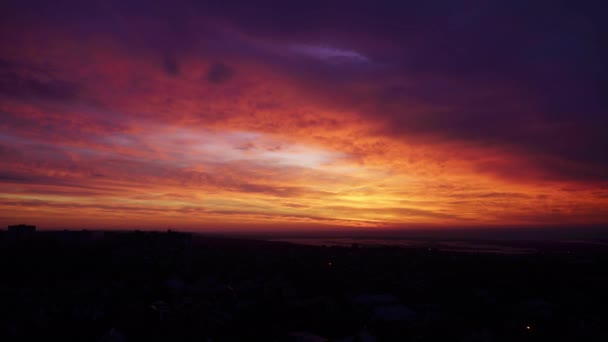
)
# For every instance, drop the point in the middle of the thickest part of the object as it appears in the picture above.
(295, 205)
(219, 73)
(32, 88)
(171, 65)
(490, 195)
(405, 212)
(79, 206)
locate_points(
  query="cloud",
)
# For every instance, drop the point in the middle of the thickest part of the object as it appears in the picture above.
(36, 88)
(372, 112)
(171, 66)
(328, 54)
(219, 73)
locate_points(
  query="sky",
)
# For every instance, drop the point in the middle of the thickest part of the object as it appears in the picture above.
(303, 114)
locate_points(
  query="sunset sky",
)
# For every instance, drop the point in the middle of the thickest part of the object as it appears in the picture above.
(315, 114)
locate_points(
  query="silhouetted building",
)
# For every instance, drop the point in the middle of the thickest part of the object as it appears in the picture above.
(21, 231)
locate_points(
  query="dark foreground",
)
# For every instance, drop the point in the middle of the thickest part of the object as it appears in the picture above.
(176, 287)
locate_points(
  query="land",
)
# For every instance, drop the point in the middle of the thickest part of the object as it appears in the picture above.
(169, 286)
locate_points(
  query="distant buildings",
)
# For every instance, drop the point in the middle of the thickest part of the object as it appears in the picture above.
(21, 231)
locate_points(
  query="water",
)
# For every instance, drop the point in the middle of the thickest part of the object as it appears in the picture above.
(453, 245)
